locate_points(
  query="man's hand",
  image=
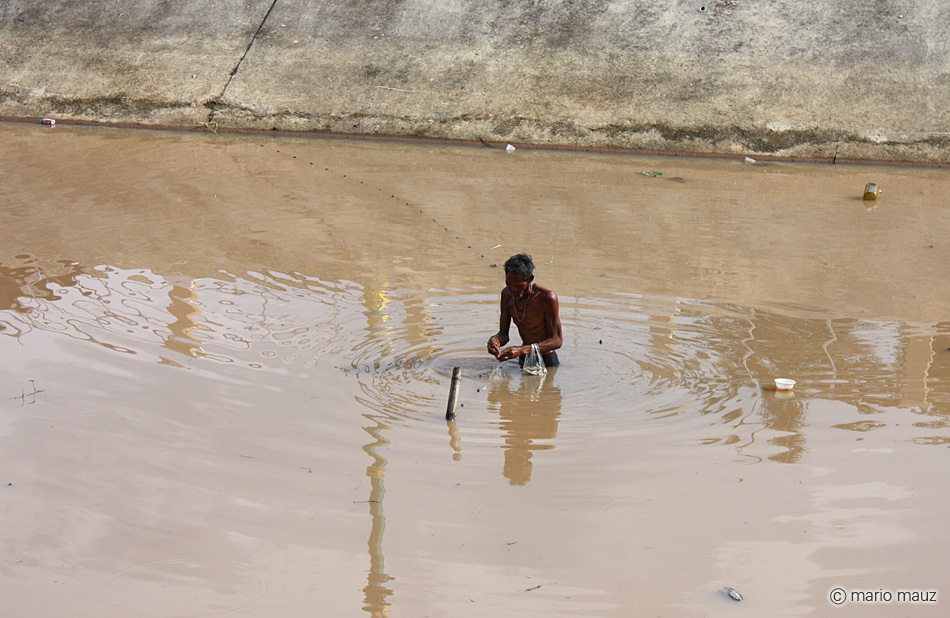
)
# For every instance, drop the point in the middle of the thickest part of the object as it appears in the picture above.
(511, 352)
(494, 346)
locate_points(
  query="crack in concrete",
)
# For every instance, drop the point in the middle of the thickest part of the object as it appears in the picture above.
(214, 103)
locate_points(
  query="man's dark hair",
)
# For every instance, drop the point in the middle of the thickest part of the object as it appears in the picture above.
(520, 265)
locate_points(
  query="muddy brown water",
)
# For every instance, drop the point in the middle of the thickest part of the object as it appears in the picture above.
(225, 362)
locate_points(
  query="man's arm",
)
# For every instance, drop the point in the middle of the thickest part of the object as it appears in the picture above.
(552, 320)
(499, 339)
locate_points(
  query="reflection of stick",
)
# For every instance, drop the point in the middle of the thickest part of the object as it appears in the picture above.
(454, 441)
(453, 393)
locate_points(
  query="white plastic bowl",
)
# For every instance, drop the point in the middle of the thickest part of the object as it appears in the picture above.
(784, 384)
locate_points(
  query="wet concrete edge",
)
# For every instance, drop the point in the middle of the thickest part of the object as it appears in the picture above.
(550, 78)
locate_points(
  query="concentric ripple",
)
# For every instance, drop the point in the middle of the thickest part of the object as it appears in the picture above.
(628, 360)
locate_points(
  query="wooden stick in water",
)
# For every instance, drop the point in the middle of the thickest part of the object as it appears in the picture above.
(453, 393)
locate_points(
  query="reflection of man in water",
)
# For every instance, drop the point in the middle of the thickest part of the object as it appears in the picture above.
(529, 417)
(533, 309)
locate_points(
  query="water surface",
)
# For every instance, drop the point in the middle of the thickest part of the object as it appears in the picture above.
(226, 359)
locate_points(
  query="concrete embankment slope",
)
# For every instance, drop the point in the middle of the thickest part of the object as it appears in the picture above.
(864, 79)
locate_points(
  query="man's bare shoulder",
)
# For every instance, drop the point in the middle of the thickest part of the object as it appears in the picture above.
(545, 293)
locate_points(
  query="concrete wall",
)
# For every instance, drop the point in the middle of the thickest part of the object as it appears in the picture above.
(856, 79)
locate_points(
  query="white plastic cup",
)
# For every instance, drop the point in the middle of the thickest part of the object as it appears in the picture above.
(784, 384)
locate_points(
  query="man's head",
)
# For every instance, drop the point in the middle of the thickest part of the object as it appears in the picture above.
(519, 272)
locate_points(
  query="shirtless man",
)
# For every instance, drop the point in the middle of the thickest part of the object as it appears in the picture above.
(533, 309)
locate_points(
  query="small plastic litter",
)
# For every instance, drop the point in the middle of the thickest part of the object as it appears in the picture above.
(652, 174)
(510, 148)
(870, 191)
(534, 364)
(784, 384)
(732, 593)
(750, 161)
(48, 121)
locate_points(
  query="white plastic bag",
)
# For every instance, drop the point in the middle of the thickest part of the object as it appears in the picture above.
(533, 363)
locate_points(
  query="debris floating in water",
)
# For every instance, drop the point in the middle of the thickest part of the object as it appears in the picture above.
(732, 593)
(784, 384)
(510, 148)
(870, 191)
